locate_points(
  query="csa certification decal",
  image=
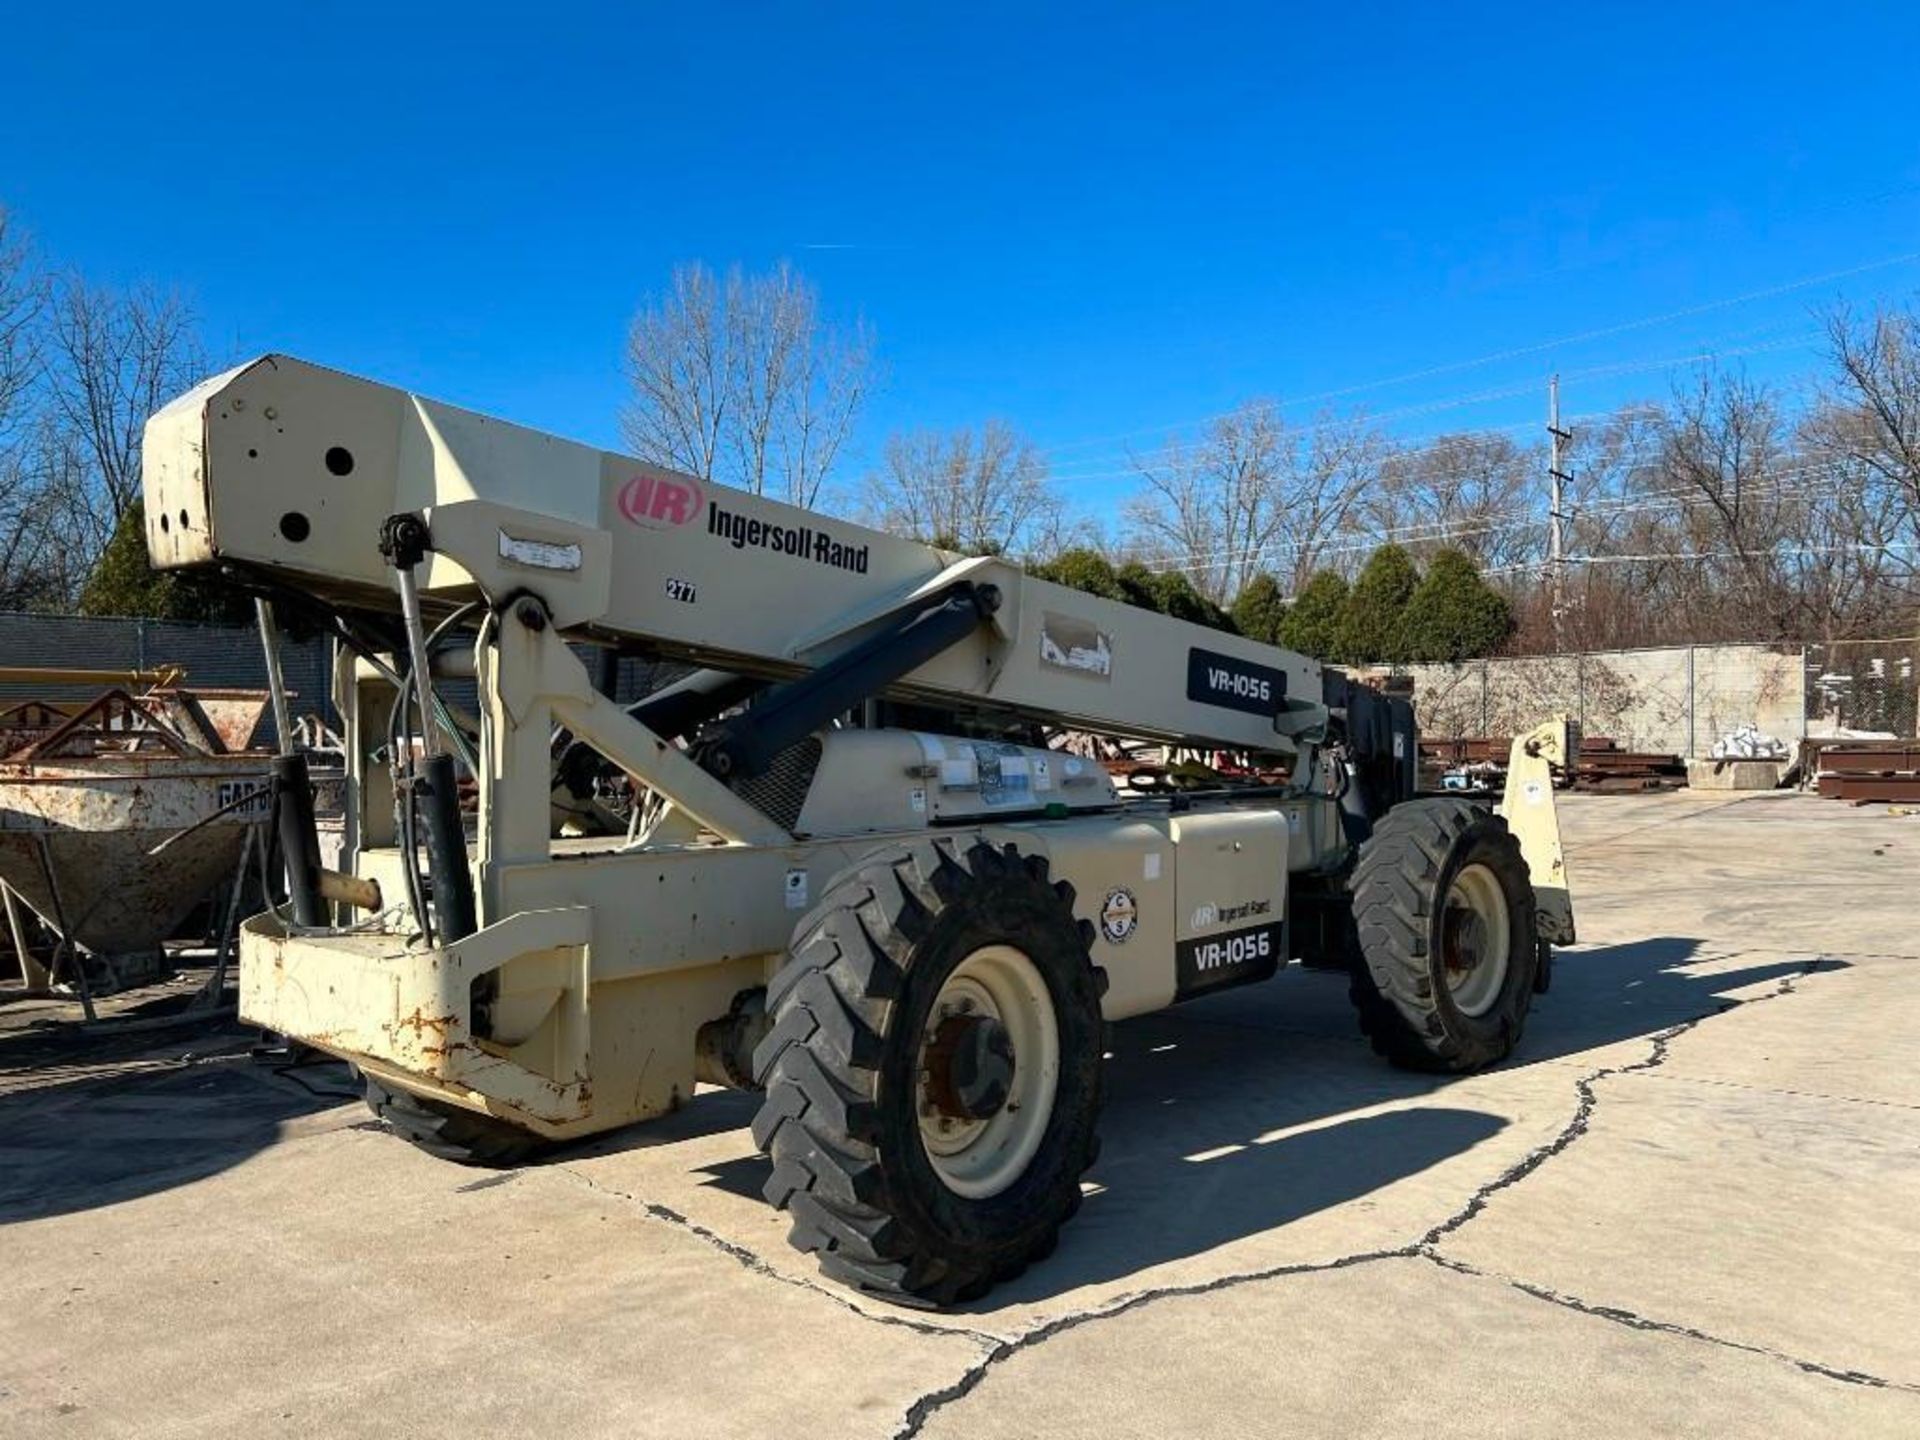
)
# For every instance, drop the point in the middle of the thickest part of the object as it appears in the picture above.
(1119, 915)
(1232, 958)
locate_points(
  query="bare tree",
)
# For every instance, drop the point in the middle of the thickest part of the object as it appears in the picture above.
(51, 530)
(1470, 491)
(1330, 471)
(26, 538)
(1251, 495)
(1212, 508)
(21, 296)
(742, 381)
(1724, 462)
(1875, 416)
(983, 493)
(116, 356)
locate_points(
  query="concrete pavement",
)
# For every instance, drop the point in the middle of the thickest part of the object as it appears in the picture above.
(1689, 1205)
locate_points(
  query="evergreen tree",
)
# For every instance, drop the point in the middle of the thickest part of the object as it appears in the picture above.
(1169, 592)
(1311, 624)
(124, 583)
(1174, 594)
(1259, 611)
(1138, 585)
(1454, 614)
(1081, 569)
(1370, 621)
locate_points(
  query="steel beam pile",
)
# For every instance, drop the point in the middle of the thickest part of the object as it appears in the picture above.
(1864, 771)
(1602, 764)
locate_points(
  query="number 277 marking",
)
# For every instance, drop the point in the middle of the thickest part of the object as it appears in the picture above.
(681, 590)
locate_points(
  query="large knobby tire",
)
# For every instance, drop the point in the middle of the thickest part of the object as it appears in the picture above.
(896, 1195)
(451, 1133)
(1444, 909)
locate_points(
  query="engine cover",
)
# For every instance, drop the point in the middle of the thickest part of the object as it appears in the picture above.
(877, 780)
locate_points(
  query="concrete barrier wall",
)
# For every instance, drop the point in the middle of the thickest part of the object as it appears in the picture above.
(1676, 700)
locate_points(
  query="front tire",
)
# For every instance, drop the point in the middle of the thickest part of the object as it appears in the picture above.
(449, 1132)
(932, 1073)
(1444, 908)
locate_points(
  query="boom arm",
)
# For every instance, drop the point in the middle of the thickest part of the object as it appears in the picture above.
(287, 470)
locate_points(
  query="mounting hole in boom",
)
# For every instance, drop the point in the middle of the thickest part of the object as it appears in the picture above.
(339, 460)
(295, 526)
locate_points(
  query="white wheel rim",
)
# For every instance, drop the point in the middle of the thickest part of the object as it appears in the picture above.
(1476, 940)
(979, 1158)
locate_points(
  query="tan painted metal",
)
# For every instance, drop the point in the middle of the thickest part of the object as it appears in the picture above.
(1527, 804)
(277, 449)
(350, 890)
(599, 959)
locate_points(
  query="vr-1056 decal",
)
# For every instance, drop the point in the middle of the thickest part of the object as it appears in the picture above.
(1233, 683)
(1232, 957)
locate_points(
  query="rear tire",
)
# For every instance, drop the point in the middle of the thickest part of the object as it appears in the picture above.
(1444, 907)
(903, 1186)
(451, 1133)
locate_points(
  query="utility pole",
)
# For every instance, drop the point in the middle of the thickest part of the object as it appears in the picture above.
(1556, 553)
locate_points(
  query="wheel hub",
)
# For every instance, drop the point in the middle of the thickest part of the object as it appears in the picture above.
(986, 1072)
(969, 1064)
(1463, 939)
(1475, 940)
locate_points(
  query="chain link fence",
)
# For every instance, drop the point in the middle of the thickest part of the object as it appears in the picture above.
(214, 656)
(229, 656)
(1866, 684)
(1670, 700)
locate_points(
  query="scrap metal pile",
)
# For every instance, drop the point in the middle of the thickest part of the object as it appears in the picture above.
(1863, 771)
(1477, 764)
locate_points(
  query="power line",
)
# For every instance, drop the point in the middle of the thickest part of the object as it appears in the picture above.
(1757, 553)
(1538, 347)
(1794, 480)
(1133, 467)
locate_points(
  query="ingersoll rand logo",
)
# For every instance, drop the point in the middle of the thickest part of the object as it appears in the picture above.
(662, 502)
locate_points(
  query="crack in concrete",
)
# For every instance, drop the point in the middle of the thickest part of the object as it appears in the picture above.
(1742, 1085)
(748, 1260)
(1662, 1041)
(1633, 1320)
(930, 1404)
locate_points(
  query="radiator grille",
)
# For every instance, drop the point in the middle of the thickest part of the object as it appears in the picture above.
(782, 789)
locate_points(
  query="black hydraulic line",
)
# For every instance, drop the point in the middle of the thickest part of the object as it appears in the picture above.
(687, 704)
(432, 799)
(744, 746)
(299, 836)
(437, 806)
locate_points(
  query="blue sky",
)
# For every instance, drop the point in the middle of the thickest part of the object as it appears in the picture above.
(1094, 221)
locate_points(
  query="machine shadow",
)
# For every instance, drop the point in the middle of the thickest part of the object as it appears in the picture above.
(1194, 1096)
(81, 1144)
(1240, 1113)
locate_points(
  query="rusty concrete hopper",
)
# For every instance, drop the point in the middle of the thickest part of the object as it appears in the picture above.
(85, 807)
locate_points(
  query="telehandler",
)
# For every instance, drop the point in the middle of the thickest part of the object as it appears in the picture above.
(852, 858)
